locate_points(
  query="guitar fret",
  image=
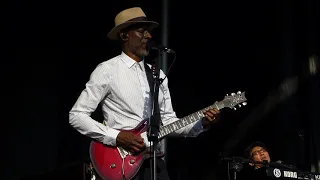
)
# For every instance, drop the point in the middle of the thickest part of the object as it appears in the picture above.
(180, 124)
(189, 120)
(166, 130)
(192, 118)
(199, 115)
(174, 126)
(170, 128)
(184, 121)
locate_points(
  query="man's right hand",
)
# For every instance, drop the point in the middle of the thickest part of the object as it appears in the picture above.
(130, 141)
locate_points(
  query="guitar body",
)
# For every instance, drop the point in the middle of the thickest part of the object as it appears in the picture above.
(110, 165)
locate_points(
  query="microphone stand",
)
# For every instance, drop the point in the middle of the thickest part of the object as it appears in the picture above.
(237, 164)
(154, 122)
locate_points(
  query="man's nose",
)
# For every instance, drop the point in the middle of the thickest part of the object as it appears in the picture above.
(147, 35)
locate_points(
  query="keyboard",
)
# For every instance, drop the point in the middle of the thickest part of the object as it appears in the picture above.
(291, 174)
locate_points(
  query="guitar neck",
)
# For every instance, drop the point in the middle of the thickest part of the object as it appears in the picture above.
(167, 129)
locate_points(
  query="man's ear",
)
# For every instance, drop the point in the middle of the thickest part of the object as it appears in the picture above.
(124, 36)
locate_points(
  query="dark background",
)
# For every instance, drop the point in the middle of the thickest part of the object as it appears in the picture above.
(51, 47)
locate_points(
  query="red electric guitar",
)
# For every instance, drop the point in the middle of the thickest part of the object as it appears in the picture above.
(115, 163)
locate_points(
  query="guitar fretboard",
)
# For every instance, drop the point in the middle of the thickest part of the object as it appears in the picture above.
(182, 122)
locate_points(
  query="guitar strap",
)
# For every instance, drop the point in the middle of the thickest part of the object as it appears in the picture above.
(149, 74)
(150, 79)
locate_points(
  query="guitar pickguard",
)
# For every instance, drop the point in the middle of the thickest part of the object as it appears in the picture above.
(123, 153)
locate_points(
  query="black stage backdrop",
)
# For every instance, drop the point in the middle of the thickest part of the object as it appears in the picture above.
(51, 47)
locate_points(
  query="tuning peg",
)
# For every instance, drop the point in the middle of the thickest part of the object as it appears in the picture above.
(239, 92)
(234, 108)
(244, 103)
(232, 94)
(239, 105)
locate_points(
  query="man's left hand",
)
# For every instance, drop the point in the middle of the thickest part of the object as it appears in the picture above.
(212, 115)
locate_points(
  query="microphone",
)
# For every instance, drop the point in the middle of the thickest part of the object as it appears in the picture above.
(164, 49)
(160, 48)
(280, 164)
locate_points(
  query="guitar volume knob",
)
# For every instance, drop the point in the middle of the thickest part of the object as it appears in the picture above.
(112, 166)
(132, 161)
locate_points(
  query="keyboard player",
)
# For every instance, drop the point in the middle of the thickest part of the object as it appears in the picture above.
(258, 152)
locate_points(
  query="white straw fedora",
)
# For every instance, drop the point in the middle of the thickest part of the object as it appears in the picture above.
(129, 17)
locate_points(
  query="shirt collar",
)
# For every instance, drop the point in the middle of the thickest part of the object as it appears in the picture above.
(129, 61)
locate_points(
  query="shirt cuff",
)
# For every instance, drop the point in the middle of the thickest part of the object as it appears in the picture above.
(197, 128)
(111, 137)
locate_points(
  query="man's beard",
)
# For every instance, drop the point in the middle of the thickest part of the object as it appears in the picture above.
(139, 51)
(143, 52)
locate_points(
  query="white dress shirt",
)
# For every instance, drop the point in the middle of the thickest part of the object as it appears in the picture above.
(120, 84)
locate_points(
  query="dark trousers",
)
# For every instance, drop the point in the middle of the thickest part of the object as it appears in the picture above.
(144, 172)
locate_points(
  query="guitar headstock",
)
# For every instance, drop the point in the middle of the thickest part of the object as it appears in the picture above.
(234, 99)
